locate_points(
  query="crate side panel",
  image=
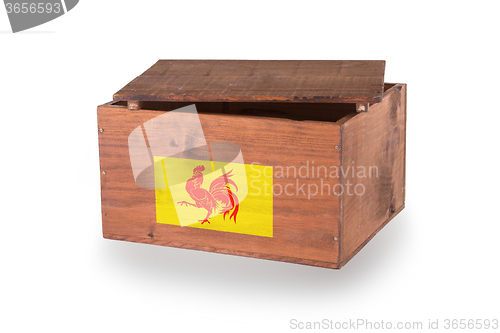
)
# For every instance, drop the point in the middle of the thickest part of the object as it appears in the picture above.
(304, 229)
(373, 161)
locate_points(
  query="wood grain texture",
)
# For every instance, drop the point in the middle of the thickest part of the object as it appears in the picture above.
(304, 230)
(259, 255)
(308, 81)
(373, 139)
(346, 259)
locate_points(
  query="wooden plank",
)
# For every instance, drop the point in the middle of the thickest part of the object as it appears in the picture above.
(374, 139)
(304, 229)
(321, 81)
(259, 255)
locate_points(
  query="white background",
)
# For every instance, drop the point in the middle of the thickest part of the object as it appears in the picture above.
(438, 259)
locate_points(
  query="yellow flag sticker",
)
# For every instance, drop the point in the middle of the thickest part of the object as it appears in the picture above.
(230, 197)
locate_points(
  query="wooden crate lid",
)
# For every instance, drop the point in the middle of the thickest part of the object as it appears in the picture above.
(325, 81)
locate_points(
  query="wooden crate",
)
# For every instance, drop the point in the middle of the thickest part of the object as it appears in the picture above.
(291, 121)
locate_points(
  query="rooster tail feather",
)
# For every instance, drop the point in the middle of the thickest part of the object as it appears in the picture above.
(235, 213)
(234, 208)
(236, 205)
(229, 181)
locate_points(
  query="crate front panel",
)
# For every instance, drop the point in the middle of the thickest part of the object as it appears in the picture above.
(305, 226)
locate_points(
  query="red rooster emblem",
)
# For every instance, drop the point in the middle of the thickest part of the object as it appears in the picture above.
(219, 199)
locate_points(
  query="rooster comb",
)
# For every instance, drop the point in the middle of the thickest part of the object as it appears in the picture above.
(199, 168)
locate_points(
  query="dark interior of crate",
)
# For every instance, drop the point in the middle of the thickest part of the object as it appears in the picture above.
(330, 112)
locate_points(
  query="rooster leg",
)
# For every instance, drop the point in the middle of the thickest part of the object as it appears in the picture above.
(206, 219)
(186, 203)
